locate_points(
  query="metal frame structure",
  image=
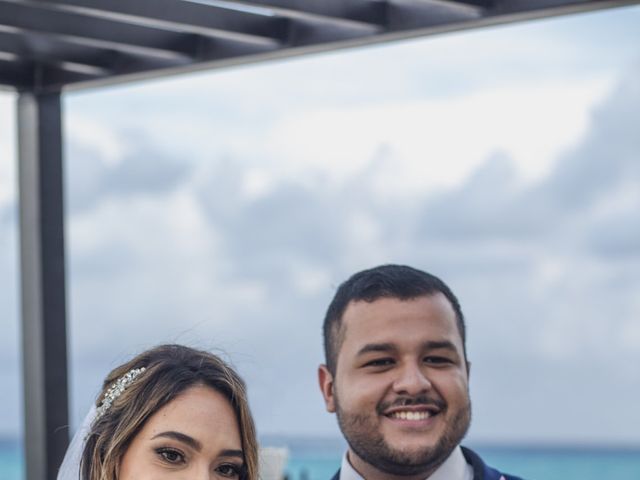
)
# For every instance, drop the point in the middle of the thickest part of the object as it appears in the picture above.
(51, 46)
(43, 282)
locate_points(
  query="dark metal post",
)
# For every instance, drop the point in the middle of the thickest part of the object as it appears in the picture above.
(44, 333)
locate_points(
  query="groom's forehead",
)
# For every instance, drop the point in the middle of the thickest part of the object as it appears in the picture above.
(388, 316)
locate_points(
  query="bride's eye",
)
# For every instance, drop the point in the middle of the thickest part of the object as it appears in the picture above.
(229, 470)
(171, 455)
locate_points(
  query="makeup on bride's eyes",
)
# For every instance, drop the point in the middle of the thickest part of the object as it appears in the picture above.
(229, 470)
(170, 455)
(176, 457)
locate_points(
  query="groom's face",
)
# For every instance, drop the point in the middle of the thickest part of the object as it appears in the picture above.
(400, 388)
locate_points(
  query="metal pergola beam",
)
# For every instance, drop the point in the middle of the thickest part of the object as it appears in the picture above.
(50, 45)
(26, 16)
(186, 16)
(54, 51)
(44, 337)
(213, 19)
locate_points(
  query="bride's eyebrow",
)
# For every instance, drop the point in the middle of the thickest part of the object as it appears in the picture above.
(180, 437)
(232, 453)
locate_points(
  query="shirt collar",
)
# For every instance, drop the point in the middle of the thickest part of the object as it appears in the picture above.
(455, 467)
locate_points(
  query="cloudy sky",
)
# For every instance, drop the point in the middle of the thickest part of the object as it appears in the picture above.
(222, 209)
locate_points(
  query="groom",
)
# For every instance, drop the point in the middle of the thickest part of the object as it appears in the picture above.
(397, 376)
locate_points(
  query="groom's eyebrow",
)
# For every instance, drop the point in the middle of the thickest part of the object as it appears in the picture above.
(181, 437)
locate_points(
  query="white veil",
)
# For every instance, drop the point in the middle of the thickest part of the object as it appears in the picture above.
(70, 468)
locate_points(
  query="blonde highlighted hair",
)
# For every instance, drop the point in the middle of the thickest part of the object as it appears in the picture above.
(170, 370)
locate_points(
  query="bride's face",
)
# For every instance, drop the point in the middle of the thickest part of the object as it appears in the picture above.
(195, 436)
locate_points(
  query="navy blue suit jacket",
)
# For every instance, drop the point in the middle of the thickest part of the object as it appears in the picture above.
(481, 471)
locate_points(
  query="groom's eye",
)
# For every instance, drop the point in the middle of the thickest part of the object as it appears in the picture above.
(379, 362)
(437, 360)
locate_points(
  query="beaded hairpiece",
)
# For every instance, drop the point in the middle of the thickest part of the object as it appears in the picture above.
(116, 389)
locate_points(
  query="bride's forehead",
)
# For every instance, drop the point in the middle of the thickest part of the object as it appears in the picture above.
(195, 401)
(199, 409)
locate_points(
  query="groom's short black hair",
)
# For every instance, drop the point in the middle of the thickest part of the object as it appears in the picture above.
(385, 281)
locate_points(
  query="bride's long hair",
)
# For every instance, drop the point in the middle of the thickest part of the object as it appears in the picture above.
(169, 371)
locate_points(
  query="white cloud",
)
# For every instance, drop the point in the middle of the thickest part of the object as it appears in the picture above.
(257, 183)
(435, 143)
(629, 334)
(86, 132)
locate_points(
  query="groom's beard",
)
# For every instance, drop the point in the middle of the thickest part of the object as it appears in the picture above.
(362, 432)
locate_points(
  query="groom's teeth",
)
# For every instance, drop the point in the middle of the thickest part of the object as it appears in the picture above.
(410, 415)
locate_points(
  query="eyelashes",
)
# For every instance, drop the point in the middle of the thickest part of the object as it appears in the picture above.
(176, 458)
(434, 360)
(171, 456)
(379, 362)
(230, 470)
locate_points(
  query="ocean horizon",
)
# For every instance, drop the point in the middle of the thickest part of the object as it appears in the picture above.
(317, 458)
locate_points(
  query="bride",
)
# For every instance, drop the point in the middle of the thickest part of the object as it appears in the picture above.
(170, 412)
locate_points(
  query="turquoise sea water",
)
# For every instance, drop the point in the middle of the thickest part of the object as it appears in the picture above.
(10, 460)
(318, 459)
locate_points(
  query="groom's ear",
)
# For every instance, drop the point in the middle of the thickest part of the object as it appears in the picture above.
(325, 379)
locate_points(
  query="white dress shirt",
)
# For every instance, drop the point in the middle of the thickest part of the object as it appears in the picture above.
(455, 467)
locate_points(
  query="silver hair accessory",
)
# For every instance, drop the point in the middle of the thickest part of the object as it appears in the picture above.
(70, 468)
(116, 389)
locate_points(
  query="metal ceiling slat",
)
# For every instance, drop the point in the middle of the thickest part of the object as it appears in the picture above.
(410, 14)
(208, 20)
(502, 7)
(33, 46)
(208, 49)
(368, 11)
(390, 15)
(36, 47)
(380, 12)
(291, 28)
(81, 26)
(310, 30)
